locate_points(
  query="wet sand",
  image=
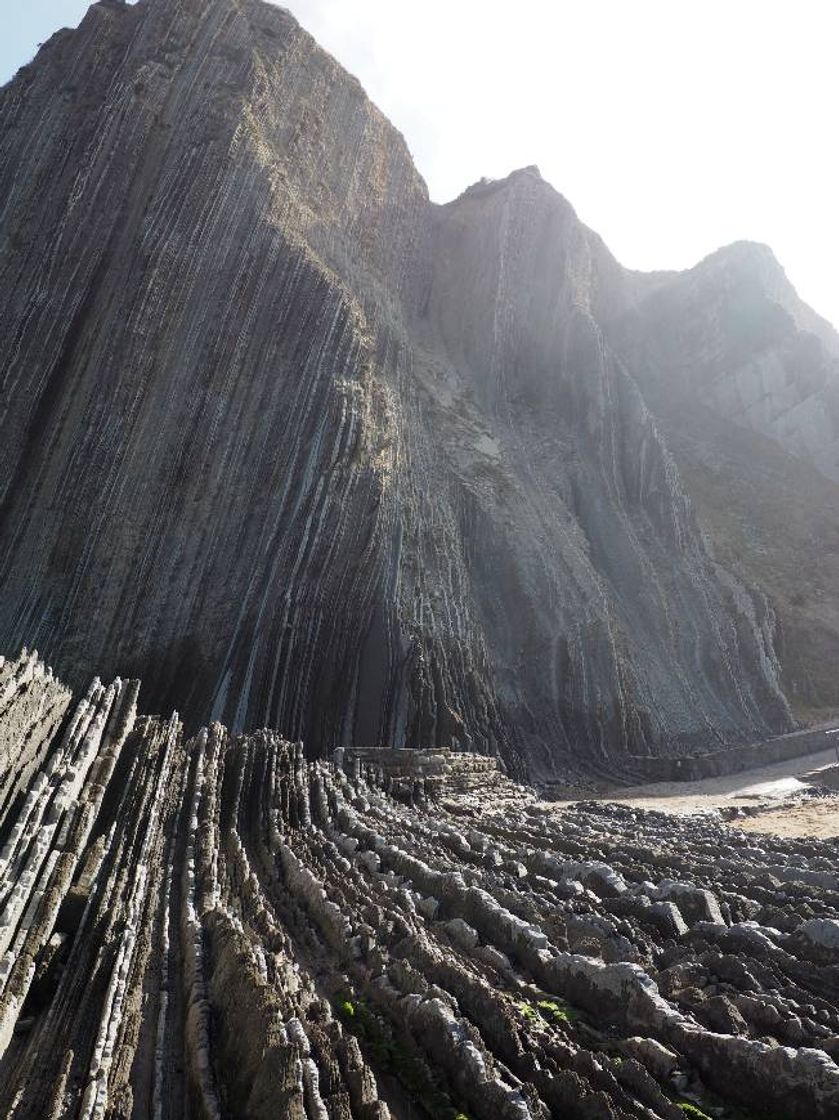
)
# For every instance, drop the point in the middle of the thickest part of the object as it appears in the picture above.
(813, 818)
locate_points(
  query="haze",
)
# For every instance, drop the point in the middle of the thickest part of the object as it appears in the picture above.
(673, 127)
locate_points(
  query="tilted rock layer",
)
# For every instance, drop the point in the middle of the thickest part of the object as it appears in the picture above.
(214, 927)
(302, 449)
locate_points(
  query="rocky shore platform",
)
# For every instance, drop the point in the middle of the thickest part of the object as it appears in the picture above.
(216, 927)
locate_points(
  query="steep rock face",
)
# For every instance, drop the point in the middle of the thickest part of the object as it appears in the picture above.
(733, 333)
(190, 466)
(306, 450)
(588, 573)
(744, 380)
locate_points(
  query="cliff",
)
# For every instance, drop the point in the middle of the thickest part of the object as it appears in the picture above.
(744, 380)
(302, 449)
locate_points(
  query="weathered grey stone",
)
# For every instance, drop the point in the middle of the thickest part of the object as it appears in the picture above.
(426, 949)
(823, 932)
(694, 903)
(661, 1062)
(400, 444)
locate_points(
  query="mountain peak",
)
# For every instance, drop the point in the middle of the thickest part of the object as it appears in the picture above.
(754, 265)
(487, 186)
(752, 258)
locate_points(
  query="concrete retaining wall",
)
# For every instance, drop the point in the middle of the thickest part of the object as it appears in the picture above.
(729, 761)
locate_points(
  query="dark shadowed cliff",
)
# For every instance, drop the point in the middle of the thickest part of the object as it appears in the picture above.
(302, 449)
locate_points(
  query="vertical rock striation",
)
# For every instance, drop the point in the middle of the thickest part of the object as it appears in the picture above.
(744, 380)
(45, 826)
(303, 449)
(32, 706)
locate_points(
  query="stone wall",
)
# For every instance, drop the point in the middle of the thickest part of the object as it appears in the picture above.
(730, 761)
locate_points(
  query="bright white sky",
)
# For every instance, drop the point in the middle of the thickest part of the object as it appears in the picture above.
(673, 126)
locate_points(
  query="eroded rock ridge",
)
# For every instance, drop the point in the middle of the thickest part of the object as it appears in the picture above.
(214, 927)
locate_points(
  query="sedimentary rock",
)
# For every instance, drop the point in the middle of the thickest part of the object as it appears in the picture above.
(46, 821)
(221, 928)
(32, 706)
(305, 450)
(743, 378)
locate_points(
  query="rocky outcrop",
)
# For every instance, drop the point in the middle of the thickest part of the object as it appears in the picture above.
(54, 797)
(303, 449)
(32, 706)
(213, 926)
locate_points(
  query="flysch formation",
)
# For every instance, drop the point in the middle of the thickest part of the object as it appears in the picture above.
(301, 448)
(216, 927)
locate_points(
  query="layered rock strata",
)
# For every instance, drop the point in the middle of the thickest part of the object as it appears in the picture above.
(55, 777)
(743, 378)
(215, 927)
(32, 705)
(305, 450)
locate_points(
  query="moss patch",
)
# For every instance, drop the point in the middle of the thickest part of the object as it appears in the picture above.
(551, 1011)
(692, 1111)
(394, 1055)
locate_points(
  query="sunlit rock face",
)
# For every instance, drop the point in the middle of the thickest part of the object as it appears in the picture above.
(305, 450)
(733, 334)
(744, 380)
